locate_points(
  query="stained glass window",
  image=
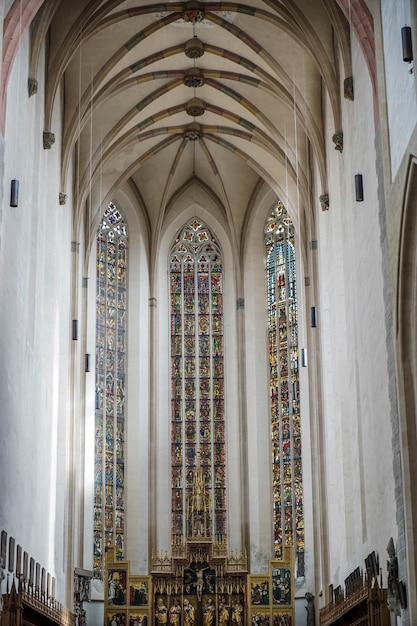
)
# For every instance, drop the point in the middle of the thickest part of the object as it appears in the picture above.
(284, 384)
(110, 385)
(197, 384)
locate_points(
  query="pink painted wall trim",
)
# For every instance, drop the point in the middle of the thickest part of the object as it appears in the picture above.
(362, 24)
(16, 22)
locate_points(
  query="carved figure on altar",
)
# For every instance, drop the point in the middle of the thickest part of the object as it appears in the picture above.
(161, 613)
(199, 584)
(223, 614)
(189, 613)
(237, 613)
(198, 495)
(208, 613)
(199, 505)
(175, 614)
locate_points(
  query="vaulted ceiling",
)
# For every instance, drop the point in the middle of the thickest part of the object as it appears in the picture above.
(219, 96)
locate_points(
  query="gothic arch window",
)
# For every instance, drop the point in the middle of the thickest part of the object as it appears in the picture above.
(111, 292)
(284, 384)
(197, 384)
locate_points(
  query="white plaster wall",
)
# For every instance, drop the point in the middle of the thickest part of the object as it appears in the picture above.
(332, 333)
(138, 434)
(34, 332)
(400, 84)
(258, 418)
(356, 410)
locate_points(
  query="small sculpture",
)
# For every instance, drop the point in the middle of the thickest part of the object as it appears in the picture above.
(189, 613)
(81, 618)
(393, 591)
(32, 87)
(338, 141)
(161, 613)
(223, 614)
(311, 614)
(175, 614)
(324, 201)
(48, 139)
(348, 88)
(208, 613)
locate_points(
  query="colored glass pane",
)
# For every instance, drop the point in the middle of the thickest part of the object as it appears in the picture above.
(111, 283)
(284, 384)
(197, 387)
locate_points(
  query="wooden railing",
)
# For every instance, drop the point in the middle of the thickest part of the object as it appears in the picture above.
(27, 604)
(333, 611)
(366, 605)
(48, 607)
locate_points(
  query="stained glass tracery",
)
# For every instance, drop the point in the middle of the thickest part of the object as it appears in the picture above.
(111, 283)
(284, 384)
(197, 384)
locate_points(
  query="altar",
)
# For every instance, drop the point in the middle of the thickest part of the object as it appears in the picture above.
(200, 582)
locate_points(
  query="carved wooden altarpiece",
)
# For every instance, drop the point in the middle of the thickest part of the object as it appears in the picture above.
(201, 582)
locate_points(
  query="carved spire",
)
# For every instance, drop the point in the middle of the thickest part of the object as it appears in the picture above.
(199, 505)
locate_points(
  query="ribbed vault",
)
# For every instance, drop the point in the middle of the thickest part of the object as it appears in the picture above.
(165, 96)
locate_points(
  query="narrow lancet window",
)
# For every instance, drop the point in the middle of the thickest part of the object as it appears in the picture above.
(109, 472)
(284, 385)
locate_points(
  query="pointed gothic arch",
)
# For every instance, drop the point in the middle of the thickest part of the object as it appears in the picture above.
(405, 433)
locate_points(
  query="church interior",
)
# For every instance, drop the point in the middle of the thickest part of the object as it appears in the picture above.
(208, 306)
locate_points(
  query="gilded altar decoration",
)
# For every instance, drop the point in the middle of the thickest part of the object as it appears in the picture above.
(199, 582)
(199, 506)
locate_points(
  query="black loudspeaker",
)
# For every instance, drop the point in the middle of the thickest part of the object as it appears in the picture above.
(359, 187)
(304, 357)
(14, 193)
(407, 44)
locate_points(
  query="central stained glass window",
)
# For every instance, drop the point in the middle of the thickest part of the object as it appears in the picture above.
(197, 384)
(284, 384)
